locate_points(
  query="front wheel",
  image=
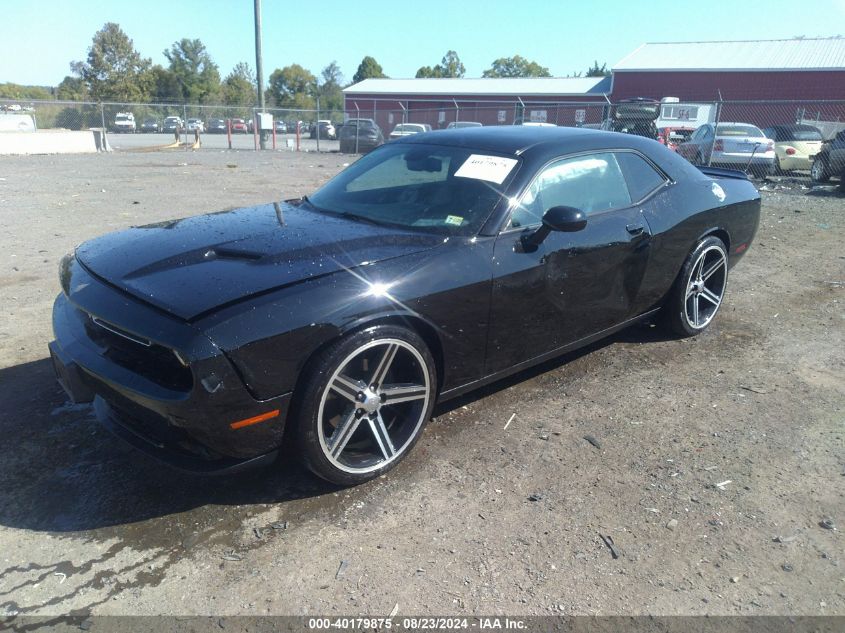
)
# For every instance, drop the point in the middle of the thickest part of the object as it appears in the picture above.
(818, 171)
(699, 289)
(364, 403)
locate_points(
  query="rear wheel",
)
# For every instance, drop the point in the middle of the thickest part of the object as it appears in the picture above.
(818, 171)
(698, 292)
(364, 404)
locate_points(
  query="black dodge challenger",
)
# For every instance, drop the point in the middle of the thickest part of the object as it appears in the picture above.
(430, 267)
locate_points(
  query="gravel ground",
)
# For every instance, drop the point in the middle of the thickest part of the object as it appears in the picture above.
(478, 519)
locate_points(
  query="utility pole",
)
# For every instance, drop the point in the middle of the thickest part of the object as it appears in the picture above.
(259, 68)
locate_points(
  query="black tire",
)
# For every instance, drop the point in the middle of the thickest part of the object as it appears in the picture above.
(687, 301)
(819, 170)
(377, 439)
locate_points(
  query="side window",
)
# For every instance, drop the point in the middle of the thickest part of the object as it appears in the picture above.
(592, 183)
(641, 177)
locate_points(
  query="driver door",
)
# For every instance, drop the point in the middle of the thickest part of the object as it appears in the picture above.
(574, 284)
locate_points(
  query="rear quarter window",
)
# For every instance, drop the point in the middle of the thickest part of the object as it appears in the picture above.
(642, 178)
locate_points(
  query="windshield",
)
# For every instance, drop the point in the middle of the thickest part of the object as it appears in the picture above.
(738, 130)
(427, 187)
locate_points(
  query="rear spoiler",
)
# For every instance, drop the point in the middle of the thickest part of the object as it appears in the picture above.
(718, 172)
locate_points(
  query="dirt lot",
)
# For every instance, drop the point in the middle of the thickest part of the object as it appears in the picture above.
(478, 519)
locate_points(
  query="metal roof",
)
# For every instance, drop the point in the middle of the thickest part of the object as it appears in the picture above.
(505, 87)
(763, 55)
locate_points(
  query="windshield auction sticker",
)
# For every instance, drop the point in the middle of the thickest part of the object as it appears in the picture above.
(489, 168)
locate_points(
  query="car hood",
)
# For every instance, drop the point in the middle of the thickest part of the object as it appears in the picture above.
(190, 266)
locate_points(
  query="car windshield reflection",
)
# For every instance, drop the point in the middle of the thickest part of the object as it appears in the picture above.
(419, 186)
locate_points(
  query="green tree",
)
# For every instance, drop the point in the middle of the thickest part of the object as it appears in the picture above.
(428, 72)
(195, 71)
(16, 91)
(449, 66)
(239, 86)
(292, 87)
(369, 68)
(114, 70)
(330, 88)
(166, 87)
(516, 66)
(597, 71)
(71, 89)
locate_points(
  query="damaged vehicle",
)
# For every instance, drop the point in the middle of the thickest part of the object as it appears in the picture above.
(434, 265)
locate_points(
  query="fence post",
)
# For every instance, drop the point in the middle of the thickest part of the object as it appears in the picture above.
(358, 125)
(103, 118)
(718, 107)
(317, 125)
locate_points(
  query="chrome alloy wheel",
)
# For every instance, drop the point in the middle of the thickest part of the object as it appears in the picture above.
(817, 170)
(373, 405)
(706, 287)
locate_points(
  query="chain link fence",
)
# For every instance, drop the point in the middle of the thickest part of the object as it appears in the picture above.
(789, 134)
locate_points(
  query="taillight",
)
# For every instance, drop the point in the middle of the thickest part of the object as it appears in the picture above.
(718, 146)
(789, 150)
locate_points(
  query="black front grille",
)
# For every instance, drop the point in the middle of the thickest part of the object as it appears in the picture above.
(155, 429)
(156, 363)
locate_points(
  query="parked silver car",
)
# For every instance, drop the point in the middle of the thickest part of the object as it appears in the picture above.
(740, 146)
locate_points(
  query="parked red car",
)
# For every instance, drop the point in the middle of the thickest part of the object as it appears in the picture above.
(239, 125)
(671, 137)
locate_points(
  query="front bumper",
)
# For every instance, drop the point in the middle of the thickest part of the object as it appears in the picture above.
(180, 415)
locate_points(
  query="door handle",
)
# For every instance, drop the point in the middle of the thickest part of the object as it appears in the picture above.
(635, 229)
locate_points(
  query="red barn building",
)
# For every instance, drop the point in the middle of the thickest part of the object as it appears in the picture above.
(437, 102)
(764, 82)
(741, 74)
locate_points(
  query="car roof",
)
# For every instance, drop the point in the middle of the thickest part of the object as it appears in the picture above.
(794, 126)
(517, 139)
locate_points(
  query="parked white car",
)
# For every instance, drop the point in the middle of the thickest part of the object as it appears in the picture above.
(460, 124)
(124, 122)
(196, 124)
(409, 129)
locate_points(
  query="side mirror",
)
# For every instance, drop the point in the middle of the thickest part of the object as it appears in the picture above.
(563, 219)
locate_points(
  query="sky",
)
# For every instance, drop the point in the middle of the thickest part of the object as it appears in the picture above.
(41, 37)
